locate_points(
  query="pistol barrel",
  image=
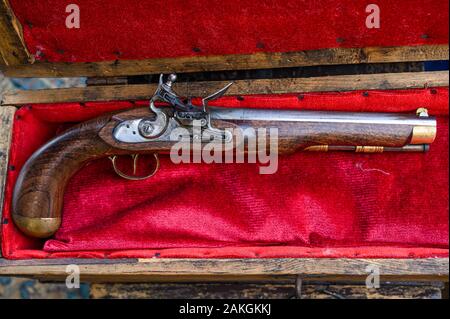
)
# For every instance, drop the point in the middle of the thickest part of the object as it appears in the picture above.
(338, 131)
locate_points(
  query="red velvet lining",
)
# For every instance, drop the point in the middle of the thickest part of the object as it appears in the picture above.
(316, 205)
(122, 29)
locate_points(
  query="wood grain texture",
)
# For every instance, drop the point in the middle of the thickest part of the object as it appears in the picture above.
(39, 189)
(193, 291)
(386, 291)
(263, 269)
(383, 81)
(22, 288)
(289, 290)
(258, 60)
(6, 122)
(294, 136)
(407, 54)
(12, 46)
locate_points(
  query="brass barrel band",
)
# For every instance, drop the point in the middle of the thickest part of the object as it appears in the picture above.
(369, 149)
(423, 135)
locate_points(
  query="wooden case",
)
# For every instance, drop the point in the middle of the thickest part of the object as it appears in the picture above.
(108, 82)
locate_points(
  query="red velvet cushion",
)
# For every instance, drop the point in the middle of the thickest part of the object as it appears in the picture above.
(316, 205)
(123, 29)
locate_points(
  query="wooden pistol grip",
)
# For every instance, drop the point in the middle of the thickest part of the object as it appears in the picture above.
(39, 190)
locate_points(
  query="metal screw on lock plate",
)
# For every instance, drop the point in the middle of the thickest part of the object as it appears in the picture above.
(146, 128)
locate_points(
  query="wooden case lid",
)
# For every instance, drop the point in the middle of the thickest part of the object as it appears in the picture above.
(120, 37)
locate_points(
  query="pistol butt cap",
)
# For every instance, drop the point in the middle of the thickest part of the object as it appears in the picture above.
(37, 227)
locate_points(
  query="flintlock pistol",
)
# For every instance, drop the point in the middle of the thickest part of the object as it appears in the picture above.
(38, 193)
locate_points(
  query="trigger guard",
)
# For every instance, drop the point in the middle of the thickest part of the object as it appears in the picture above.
(134, 178)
